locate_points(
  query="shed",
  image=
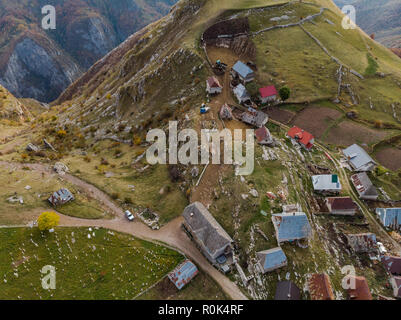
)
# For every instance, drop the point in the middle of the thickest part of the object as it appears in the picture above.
(341, 206)
(213, 86)
(390, 217)
(241, 93)
(183, 274)
(364, 187)
(291, 227)
(263, 136)
(244, 73)
(226, 113)
(272, 259)
(320, 287)
(359, 159)
(268, 94)
(287, 290)
(361, 290)
(61, 197)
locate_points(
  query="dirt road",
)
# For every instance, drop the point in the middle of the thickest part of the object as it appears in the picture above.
(171, 234)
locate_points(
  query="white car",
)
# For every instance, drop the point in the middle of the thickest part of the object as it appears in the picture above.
(382, 248)
(129, 216)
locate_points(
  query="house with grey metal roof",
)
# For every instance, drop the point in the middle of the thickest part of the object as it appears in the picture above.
(291, 227)
(272, 259)
(243, 72)
(364, 187)
(359, 159)
(241, 93)
(254, 117)
(390, 217)
(61, 197)
(213, 241)
(326, 183)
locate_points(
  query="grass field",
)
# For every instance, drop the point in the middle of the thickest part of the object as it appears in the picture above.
(107, 266)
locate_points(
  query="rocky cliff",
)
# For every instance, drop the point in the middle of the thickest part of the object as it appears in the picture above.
(40, 64)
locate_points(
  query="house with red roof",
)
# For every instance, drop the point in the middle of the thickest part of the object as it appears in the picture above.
(302, 137)
(213, 86)
(268, 94)
(341, 206)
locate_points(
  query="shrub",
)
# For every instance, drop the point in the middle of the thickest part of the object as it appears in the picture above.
(285, 93)
(127, 200)
(115, 196)
(137, 140)
(61, 133)
(378, 124)
(48, 220)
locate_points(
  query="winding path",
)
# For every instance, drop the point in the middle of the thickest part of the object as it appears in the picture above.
(170, 234)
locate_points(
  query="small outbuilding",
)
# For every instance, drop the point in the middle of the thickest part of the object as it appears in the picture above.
(61, 197)
(390, 217)
(364, 186)
(268, 94)
(272, 259)
(341, 206)
(287, 290)
(243, 72)
(213, 86)
(263, 136)
(183, 274)
(361, 289)
(226, 113)
(392, 265)
(241, 93)
(291, 227)
(320, 287)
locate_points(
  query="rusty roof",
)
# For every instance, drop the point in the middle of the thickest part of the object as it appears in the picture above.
(320, 287)
(392, 264)
(361, 290)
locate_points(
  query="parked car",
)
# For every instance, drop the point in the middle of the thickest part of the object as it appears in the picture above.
(129, 215)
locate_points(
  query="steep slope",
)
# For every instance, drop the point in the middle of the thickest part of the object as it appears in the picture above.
(381, 18)
(40, 64)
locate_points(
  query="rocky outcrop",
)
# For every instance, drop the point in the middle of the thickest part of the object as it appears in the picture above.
(40, 64)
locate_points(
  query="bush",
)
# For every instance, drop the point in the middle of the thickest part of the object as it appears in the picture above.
(285, 93)
(61, 133)
(115, 196)
(127, 200)
(48, 220)
(378, 124)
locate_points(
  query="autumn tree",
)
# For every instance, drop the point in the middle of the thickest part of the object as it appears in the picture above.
(48, 221)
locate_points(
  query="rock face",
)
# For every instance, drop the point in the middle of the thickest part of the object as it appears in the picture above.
(40, 64)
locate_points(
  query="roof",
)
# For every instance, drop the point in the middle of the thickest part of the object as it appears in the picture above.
(357, 156)
(390, 217)
(342, 203)
(302, 136)
(392, 264)
(226, 112)
(326, 182)
(263, 134)
(213, 82)
(287, 290)
(268, 91)
(396, 282)
(363, 242)
(206, 228)
(320, 287)
(272, 259)
(242, 69)
(363, 185)
(240, 91)
(291, 226)
(361, 290)
(60, 197)
(183, 274)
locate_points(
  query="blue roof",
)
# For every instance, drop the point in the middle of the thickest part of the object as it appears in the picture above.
(357, 156)
(291, 227)
(242, 69)
(183, 274)
(240, 91)
(390, 217)
(272, 259)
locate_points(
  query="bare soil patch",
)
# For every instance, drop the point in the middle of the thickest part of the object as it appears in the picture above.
(347, 133)
(316, 120)
(390, 158)
(280, 115)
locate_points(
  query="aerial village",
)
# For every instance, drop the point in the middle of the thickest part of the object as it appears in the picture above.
(318, 204)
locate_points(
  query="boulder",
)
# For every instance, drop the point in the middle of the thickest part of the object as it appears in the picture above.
(61, 168)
